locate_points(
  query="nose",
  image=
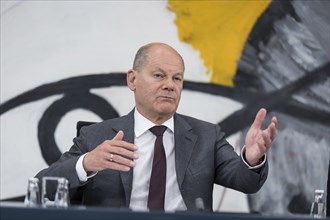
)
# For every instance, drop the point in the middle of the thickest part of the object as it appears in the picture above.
(168, 85)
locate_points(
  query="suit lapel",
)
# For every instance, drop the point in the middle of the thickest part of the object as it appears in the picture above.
(185, 141)
(127, 126)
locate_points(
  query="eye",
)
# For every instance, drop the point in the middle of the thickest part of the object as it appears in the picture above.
(178, 78)
(158, 75)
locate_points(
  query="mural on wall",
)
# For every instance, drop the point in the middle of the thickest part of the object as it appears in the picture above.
(290, 47)
(284, 67)
(259, 54)
(218, 30)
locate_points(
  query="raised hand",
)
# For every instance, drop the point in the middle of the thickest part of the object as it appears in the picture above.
(258, 141)
(111, 154)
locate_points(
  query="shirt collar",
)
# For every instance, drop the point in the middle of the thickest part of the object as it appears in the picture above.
(142, 124)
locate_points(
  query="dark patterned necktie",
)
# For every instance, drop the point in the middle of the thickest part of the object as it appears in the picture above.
(157, 185)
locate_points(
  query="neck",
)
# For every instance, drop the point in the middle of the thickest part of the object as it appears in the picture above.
(156, 119)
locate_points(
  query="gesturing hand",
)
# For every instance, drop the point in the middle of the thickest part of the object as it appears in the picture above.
(258, 141)
(111, 154)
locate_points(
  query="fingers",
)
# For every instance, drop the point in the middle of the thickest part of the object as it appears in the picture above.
(268, 135)
(118, 162)
(111, 145)
(259, 141)
(267, 141)
(118, 166)
(272, 128)
(119, 136)
(111, 154)
(119, 154)
(259, 119)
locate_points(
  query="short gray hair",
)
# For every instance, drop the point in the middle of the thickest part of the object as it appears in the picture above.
(142, 56)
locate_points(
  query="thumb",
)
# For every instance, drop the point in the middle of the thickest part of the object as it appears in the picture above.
(119, 136)
(260, 117)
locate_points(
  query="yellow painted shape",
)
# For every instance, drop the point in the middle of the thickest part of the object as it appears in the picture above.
(218, 30)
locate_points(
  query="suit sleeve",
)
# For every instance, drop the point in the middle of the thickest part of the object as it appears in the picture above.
(232, 172)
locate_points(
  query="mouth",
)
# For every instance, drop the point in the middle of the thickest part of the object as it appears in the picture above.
(167, 98)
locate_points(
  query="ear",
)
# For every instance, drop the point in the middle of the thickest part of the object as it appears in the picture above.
(130, 77)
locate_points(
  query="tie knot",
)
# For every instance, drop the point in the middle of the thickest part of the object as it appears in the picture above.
(158, 130)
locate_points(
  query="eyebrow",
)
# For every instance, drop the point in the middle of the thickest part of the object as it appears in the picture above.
(159, 69)
(163, 71)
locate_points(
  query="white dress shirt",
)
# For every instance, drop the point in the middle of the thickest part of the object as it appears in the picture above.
(145, 141)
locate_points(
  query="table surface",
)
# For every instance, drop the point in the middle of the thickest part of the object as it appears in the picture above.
(15, 210)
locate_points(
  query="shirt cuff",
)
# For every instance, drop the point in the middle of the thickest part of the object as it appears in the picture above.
(82, 175)
(247, 164)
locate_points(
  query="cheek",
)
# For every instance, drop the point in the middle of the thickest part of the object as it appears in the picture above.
(178, 91)
(146, 94)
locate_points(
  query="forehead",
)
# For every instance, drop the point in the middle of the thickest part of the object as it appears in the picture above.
(166, 59)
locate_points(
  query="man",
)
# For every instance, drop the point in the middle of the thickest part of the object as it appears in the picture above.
(111, 163)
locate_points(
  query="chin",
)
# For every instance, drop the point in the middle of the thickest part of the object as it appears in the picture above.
(167, 111)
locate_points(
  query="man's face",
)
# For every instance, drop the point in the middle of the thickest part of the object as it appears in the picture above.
(158, 84)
